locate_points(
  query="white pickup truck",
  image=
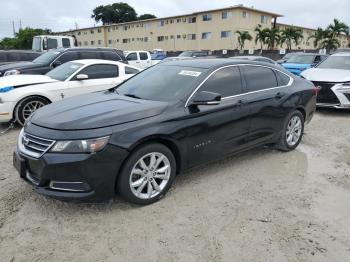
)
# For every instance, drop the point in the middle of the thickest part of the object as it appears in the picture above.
(140, 59)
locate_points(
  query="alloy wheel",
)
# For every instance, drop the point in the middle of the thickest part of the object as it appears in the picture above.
(294, 131)
(150, 175)
(30, 108)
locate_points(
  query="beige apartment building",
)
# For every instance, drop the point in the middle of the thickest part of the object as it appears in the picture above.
(207, 30)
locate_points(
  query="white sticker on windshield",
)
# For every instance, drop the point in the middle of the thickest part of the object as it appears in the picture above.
(190, 73)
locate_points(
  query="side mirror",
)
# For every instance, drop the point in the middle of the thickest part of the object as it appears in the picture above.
(56, 63)
(82, 77)
(206, 99)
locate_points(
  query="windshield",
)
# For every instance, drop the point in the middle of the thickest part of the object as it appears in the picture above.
(186, 54)
(64, 71)
(301, 59)
(162, 83)
(36, 44)
(46, 58)
(336, 62)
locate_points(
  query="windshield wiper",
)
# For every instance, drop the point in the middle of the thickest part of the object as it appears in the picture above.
(132, 96)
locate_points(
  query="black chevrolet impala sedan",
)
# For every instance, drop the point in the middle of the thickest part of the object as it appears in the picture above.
(132, 140)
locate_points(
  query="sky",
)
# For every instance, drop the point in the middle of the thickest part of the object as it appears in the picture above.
(63, 15)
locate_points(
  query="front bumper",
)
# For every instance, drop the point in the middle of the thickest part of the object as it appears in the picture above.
(333, 95)
(6, 111)
(77, 177)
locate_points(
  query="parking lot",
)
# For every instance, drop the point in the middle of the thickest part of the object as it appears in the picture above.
(262, 205)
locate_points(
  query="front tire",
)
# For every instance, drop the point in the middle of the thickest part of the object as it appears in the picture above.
(292, 133)
(27, 106)
(147, 174)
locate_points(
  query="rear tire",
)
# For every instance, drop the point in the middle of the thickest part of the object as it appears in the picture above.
(292, 132)
(28, 106)
(147, 174)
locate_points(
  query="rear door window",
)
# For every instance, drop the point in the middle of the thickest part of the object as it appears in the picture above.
(113, 56)
(259, 78)
(89, 55)
(143, 56)
(51, 43)
(226, 82)
(100, 71)
(65, 42)
(282, 79)
(130, 70)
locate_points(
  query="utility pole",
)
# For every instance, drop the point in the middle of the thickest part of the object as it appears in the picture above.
(13, 28)
(20, 24)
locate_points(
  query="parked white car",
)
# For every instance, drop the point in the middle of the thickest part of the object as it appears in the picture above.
(332, 77)
(21, 95)
(140, 59)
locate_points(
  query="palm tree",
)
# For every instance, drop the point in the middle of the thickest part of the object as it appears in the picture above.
(338, 28)
(260, 37)
(272, 37)
(242, 37)
(318, 37)
(290, 35)
(330, 42)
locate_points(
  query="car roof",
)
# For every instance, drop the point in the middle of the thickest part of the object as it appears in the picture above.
(250, 57)
(212, 63)
(342, 54)
(85, 49)
(101, 61)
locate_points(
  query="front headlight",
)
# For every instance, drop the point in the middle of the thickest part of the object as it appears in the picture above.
(80, 146)
(12, 72)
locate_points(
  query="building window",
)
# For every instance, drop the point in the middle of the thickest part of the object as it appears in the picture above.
(178, 20)
(99, 30)
(85, 33)
(171, 37)
(125, 28)
(116, 28)
(109, 42)
(207, 17)
(160, 38)
(79, 33)
(184, 20)
(226, 34)
(245, 14)
(92, 31)
(100, 42)
(161, 23)
(192, 20)
(191, 37)
(126, 40)
(178, 36)
(108, 29)
(206, 35)
(85, 42)
(263, 19)
(92, 42)
(171, 21)
(226, 15)
(146, 39)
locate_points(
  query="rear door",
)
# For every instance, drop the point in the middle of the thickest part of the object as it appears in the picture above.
(100, 77)
(218, 130)
(266, 94)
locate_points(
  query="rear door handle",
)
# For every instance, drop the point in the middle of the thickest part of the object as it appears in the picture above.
(280, 95)
(240, 103)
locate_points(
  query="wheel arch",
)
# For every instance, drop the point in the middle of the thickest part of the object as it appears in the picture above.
(166, 141)
(302, 111)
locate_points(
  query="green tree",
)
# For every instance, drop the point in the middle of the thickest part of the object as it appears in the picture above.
(117, 13)
(330, 42)
(260, 37)
(338, 28)
(146, 16)
(290, 35)
(272, 37)
(23, 39)
(242, 37)
(318, 36)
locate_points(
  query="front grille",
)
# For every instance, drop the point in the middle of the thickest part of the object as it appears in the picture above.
(326, 95)
(35, 146)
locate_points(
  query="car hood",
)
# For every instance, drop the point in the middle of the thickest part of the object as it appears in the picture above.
(327, 75)
(293, 65)
(19, 65)
(97, 110)
(24, 80)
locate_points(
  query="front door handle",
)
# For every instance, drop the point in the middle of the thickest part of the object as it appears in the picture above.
(240, 103)
(280, 95)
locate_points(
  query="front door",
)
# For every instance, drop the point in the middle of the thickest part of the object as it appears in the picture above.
(217, 130)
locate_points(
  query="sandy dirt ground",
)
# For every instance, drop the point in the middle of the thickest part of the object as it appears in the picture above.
(262, 205)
